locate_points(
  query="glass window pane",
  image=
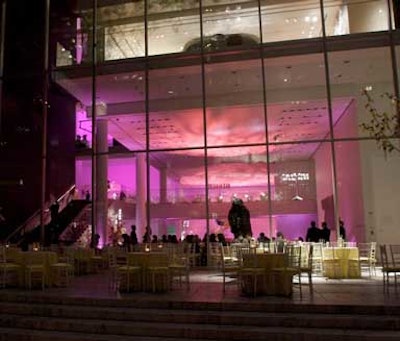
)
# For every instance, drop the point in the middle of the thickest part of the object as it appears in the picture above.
(380, 189)
(292, 20)
(122, 33)
(171, 25)
(297, 186)
(228, 26)
(235, 113)
(233, 176)
(297, 107)
(178, 199)
(355, 16)
(175, 105)
(352, 73)
(351, 189)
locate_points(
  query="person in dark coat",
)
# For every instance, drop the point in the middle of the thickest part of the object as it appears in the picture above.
(133, 236)
(325, 232)
(342, 230)
(313, 233)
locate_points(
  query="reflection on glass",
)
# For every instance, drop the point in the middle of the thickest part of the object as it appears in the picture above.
(291, 20)
(352, 72)
(230, 26)
(357, 17)
(171, 25)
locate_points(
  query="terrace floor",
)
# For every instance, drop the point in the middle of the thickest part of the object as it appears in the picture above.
(206, 286)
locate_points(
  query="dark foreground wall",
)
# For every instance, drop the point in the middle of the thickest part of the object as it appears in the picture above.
(22, 118)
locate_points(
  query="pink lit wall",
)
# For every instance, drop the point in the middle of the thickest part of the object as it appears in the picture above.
(121, 174)
(349, 182)
(294, 226)
(350, 197)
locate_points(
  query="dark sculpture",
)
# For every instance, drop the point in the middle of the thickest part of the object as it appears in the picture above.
(239, 219)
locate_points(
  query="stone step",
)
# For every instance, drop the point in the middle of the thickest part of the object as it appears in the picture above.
(11, 334)
(98, 329)
(178, 316)
(163, 303)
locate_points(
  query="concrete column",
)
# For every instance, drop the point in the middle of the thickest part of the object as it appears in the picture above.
(163, 185)
(102, 177)
(141, 186)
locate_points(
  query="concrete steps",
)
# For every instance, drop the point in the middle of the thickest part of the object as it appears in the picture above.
(26, 317)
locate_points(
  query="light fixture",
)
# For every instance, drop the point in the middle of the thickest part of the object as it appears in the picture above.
(297, 197)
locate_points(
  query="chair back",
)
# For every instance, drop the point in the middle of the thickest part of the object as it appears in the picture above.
(384, 256)
(293, 256)
(395, 254)
(307, 250)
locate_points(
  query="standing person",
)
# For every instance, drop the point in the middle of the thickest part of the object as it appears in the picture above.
(342, 230)
(133, 237)
(54, 208)
(147, 235)
(313, 233)
(325, 232)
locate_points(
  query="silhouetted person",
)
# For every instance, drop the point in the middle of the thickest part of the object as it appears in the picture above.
(313, 233)
(221, 239)
(262, 238)
(325, 232)
(94, 244)
(126, 242)
(342, 230)
(133, 236)
(87, 196)
(54, 211)
(147, 235)
(239, 219)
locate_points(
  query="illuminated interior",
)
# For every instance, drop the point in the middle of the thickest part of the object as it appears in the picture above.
(211, 138)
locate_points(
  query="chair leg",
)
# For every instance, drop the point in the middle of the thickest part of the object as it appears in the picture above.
(310, 283)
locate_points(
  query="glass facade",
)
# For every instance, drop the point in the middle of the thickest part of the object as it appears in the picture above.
(192, 104)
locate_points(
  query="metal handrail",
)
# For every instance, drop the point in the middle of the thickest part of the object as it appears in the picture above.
(34, 219)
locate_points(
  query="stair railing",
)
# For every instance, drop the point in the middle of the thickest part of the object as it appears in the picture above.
(34, 220)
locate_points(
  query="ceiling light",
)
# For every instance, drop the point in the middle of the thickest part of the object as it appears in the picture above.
(297, 198)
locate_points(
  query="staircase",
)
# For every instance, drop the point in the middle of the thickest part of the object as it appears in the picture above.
(55, 228)
(34, 317)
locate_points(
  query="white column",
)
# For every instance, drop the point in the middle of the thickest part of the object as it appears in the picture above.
(141, 186)
(101, 179)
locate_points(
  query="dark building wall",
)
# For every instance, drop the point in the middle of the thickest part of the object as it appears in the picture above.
(61, 143)
(22, 117)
